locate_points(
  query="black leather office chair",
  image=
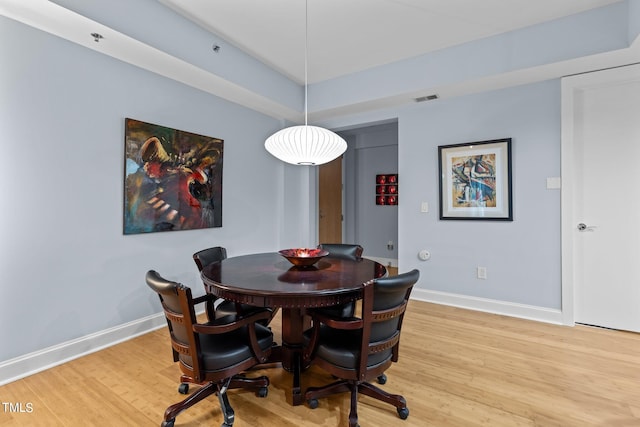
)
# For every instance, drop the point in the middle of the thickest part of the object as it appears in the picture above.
(219, 307)
(207, 256)
(356, 350)
(211, 354)
(341, 250)
(202, 259)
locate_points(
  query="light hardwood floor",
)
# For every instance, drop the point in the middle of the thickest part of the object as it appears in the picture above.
(457, 368)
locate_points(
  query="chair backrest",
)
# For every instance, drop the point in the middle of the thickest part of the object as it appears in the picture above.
(177, 304)
(343, 250)
(383, 306)
(207, 256)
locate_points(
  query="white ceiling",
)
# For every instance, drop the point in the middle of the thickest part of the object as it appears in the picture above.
(346, 36)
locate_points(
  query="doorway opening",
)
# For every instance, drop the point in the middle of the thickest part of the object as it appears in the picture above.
(372, 150)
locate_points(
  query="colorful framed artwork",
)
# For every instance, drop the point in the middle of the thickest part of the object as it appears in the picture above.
(475, 181)
(173, 179)
(387, 189)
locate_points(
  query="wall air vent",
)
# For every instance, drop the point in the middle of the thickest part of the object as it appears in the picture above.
(427, 98)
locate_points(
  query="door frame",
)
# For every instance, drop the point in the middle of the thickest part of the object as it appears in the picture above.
(571, 90)
(570, 87)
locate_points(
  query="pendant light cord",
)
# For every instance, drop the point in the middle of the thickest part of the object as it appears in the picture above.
(304, 144)
(306, 47)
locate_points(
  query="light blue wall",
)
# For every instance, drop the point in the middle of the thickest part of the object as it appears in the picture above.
(376, 153)
(522, 257)
(634, 20)
(67, 269)
(377, 224)
(372, 150)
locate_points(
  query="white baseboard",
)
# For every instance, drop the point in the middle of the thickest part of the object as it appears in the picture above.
(523, 311)
(28, 364)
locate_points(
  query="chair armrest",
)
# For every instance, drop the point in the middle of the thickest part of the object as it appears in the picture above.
(221, 326)
(346, 323)
(209, 300)
(239, 321)
(204, 298)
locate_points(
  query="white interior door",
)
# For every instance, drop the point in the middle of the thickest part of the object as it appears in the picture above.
(603, 225)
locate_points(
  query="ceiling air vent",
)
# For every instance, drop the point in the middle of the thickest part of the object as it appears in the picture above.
(427, 98)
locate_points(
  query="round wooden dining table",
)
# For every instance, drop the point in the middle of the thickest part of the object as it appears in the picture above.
(270, 280)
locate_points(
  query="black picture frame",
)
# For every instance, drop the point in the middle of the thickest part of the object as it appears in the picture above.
(475, 181)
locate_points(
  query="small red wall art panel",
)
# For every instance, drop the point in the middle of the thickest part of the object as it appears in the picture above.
(173, 179)
(387, 189)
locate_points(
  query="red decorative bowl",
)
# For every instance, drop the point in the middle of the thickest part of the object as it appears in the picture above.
(302, 257)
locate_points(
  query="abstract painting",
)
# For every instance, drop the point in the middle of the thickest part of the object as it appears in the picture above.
(173, 179)
(475, 180)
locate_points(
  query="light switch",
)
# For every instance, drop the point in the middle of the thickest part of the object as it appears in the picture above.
(424, 207)
(554, 183)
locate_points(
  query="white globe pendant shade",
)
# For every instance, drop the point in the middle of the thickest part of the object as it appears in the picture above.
(305, 145)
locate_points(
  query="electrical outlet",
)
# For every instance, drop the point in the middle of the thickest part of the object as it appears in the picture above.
(481, 272)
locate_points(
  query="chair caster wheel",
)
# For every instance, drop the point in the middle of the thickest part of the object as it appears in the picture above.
(262, 392)
(382, 379)
(403, 413)
(168, 423)
(313, 403)
(183, 388)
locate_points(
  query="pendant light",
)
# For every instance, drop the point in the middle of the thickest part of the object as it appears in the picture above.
(305, 145)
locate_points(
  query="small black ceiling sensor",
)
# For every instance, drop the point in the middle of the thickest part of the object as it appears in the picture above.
(427, 98)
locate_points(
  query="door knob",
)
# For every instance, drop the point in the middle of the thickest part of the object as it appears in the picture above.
(584, 227)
